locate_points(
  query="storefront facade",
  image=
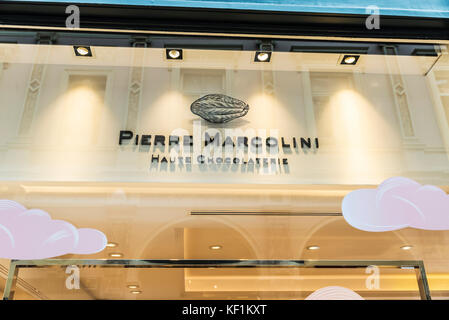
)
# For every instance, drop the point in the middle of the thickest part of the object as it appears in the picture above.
(224, 150)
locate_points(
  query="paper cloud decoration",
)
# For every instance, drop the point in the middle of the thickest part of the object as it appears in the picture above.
(334, 293)
(397, 203)
(32, 234)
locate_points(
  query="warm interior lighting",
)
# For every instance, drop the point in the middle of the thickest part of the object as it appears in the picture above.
(352, 60)
(174, 54)
(83, 51)
(133, 286)
(136, 292)
(263, 57)
(313, 248)
(215, 247)
(116, 255)
(407, 247)
(111, 245)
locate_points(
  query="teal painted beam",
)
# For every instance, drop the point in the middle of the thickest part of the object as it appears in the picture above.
(412, 8)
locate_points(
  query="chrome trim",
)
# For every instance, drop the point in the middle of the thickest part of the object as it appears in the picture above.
(423, 284)
(10, 286)
(230, 35)
(265, 213)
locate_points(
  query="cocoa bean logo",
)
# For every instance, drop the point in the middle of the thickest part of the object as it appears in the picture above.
(219, 108)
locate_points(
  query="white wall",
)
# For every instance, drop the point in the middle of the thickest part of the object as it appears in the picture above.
(74, 132)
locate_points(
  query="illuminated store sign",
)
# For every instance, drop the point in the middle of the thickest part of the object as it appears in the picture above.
(244, 150)
(214, 148)
(207, 123)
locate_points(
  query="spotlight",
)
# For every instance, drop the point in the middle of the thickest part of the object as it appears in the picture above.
(215, 247)
(313, 248)
(136, 292)
(82, 51)
(407, 247)
(173, 54)
(262, 56)
(116, 255)
(111, 245)
(264, 53)
(350, 59)
(133, 286)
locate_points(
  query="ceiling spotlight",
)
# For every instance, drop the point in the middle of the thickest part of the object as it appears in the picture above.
(215, 247)
(262, 56)
(407, 247)
(82, 51)
(264, 53)
(313, 248)
(133, 286)
(136, 292)
(116, 255)
(111, 245)
(350, 59)
(173, 54)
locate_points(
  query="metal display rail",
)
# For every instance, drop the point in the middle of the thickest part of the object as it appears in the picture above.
(417, 265)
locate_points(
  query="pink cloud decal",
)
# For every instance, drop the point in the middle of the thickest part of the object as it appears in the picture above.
(397, 203)
(32, 234)
(334, 293)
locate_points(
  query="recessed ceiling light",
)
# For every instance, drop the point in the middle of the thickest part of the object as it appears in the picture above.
(111, 245)
(215, 247)
(407, 247)
(116, 255)
(313, 248)
(82, 51)
(174, 54)
(133, 286)
(136, 292)
(350, 59)
(262, 56)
